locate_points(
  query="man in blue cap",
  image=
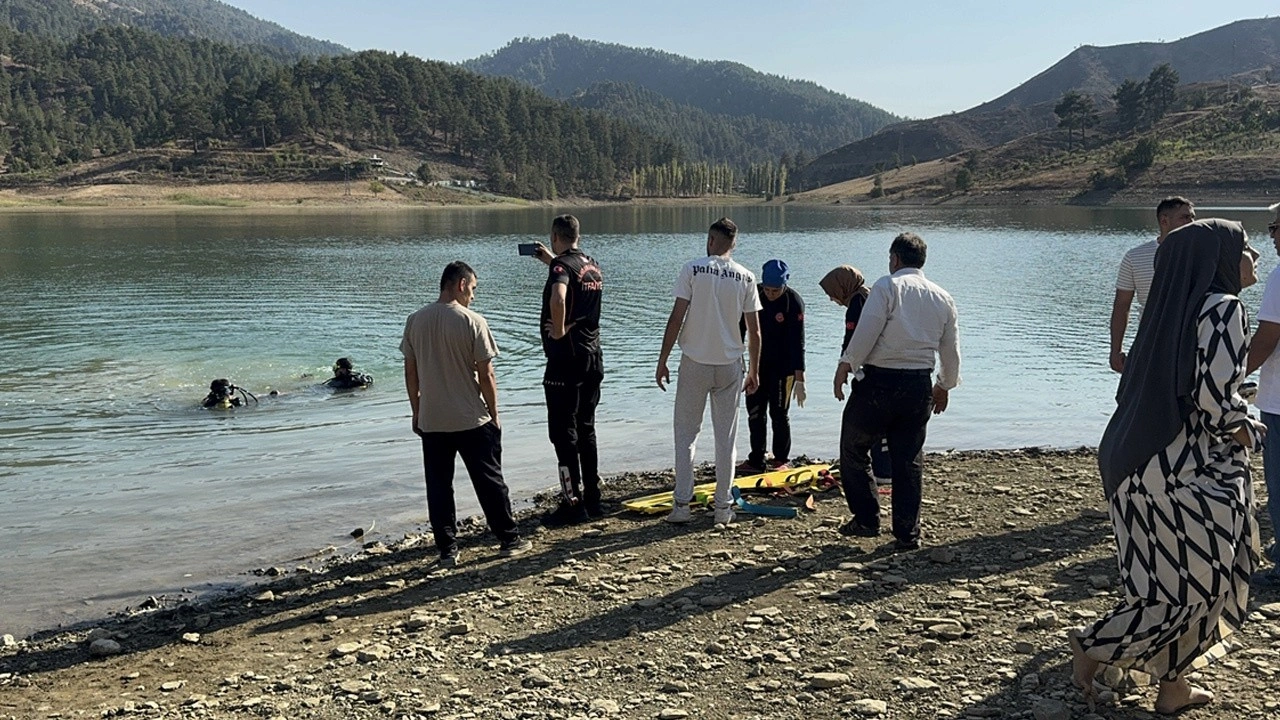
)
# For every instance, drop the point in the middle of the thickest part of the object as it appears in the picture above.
(781, 369)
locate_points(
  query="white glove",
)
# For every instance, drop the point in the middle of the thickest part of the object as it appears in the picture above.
(797, 390)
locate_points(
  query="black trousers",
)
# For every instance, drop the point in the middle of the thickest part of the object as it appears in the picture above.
(894, 405)
(481, 451)
(773, 398)
(572, 389)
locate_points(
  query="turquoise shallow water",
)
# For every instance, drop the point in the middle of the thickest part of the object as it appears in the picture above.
(114, 485)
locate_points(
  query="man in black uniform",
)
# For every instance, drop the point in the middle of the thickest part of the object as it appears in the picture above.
(570, 329)
(781, 369)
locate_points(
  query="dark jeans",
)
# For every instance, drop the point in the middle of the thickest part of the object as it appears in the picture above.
(573, 392)
(773, 397)
(894, 405)
(881, 464)
(481, 451)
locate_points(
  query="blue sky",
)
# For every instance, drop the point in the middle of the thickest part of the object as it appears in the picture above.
(915, 59)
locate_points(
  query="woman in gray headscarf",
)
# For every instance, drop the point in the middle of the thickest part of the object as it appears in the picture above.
(1175, 468)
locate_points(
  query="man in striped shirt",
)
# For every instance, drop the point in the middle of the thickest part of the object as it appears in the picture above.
(1138, 267)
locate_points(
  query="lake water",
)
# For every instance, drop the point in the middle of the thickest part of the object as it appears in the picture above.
(115, 486)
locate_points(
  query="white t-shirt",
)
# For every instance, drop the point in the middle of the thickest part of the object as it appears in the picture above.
(1137, 268)
(1268, 399)
(719, 291)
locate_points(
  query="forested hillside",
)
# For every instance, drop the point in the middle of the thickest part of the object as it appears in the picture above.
(722, 111)
(206, 19)
(118, 88)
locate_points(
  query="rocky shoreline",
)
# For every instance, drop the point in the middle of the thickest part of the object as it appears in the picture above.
(631, 618)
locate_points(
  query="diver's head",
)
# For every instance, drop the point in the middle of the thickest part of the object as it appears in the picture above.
(221, 386)
(342, 367)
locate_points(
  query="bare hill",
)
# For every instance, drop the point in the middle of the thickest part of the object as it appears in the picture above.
(1219, 144)
(1247, 51)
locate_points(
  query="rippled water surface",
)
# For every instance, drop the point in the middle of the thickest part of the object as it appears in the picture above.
(114, 485)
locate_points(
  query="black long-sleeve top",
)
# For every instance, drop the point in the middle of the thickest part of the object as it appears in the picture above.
(781, 333)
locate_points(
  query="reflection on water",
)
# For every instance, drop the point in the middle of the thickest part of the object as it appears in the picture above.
(113, 324)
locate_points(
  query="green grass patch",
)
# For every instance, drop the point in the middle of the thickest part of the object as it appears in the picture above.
(189, 199)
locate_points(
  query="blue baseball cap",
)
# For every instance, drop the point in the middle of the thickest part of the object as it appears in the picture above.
(775, 274)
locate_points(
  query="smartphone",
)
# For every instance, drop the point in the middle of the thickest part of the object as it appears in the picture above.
(528, 248)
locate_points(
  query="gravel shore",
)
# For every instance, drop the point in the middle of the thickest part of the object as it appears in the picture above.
(631, 618)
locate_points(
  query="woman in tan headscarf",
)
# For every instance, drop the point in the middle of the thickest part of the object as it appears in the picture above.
(846, 286)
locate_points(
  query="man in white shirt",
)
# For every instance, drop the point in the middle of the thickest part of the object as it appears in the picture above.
(712, 294)
(1262, 354)
(906, 321)
(1137, 267)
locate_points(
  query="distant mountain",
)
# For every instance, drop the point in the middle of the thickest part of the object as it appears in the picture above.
(721, 111)
(204, 19)
(1247, 51)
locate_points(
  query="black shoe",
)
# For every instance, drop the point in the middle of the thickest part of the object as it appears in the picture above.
(853, 529)
(448, 559)
(906, 545)
(512, 548)
(595, 510)
(565, 515)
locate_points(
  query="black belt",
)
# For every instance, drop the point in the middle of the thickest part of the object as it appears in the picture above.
(877, 370)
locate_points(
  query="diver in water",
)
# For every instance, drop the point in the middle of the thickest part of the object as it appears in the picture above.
(223, 395)
(345, 378)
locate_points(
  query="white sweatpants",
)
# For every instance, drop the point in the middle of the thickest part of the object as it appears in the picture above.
(723, 383)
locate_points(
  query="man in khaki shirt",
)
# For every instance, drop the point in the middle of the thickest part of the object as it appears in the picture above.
(448, 373)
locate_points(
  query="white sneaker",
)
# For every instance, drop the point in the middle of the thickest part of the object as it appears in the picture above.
(680, 515)
(724, 516)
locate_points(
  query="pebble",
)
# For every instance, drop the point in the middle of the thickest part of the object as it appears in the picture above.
(354, 687)
(672, 714)
(267, 596)
(947, 631)
(462, 628)
(869, 707)
(1050, 710)
(345, 649)
(7, 641)
(104, 648)
(564, 579)
(536, 680)
(605, 707)
(1270, 610)
(942, 555)
(918, 684)
(373, 653)
(827, 680)
(193, 638)
(1047, 620)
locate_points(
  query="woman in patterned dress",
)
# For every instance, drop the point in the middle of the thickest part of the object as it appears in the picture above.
(1174, 462)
